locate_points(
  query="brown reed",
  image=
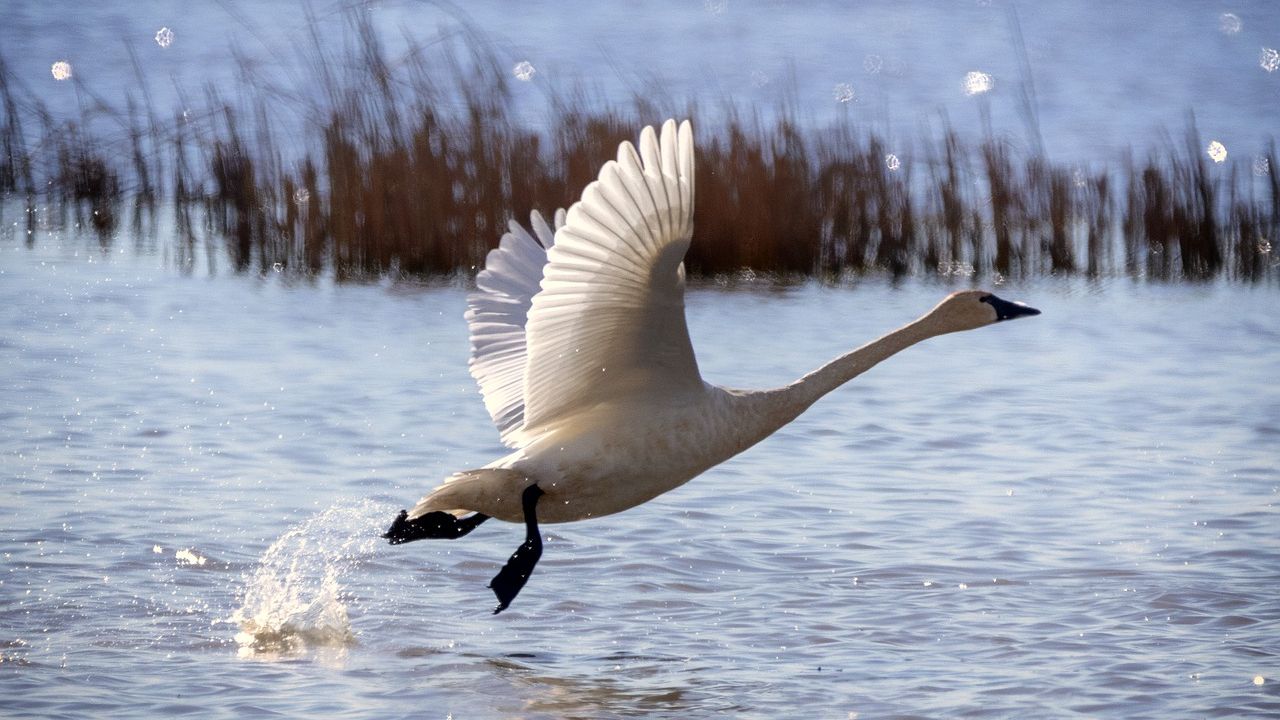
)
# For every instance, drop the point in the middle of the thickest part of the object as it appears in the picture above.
(413, 168)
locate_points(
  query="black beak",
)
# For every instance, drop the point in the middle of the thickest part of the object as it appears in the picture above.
(1006, 310)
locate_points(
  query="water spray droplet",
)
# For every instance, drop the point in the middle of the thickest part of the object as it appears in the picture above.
(976, 83)
(189, 557)
(892, 162)
(1217, 151)
(843, 93)
(164, 37)
(1229, 23)
(1269, 59)
(524, 71)
(61, 70)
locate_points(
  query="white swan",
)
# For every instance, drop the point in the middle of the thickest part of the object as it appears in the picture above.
(580, 348)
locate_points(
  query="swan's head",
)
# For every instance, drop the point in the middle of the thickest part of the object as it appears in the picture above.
(969, 309)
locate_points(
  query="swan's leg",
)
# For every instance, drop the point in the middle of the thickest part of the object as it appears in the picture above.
(512, 577)
(437, 525)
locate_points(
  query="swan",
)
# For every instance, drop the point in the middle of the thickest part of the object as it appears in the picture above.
(581, 351)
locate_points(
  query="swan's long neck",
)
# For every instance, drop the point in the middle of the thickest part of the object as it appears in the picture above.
(771, 409)
(810, 388)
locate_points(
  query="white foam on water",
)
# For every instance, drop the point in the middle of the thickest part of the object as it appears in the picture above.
(295, 599)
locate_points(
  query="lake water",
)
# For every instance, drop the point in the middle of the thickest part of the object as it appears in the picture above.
(1068, 516)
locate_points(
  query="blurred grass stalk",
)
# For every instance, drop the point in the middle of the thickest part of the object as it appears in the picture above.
(413, 168)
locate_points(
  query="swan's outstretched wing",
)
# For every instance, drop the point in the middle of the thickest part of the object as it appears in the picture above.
(496, 315)
(609, 320)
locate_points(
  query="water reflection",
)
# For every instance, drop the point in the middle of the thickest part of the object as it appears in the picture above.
(626, 686)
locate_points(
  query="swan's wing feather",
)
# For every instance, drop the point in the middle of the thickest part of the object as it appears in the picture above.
(496, 315)
(609, 319)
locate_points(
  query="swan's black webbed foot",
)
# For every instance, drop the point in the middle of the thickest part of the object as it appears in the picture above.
(512, 577)
(436, 525)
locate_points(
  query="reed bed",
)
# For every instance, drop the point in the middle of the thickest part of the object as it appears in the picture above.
(413, 167)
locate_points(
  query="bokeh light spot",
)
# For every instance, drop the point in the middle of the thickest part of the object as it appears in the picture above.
(61, 70)
(524, 70)
(976, 83)
(892, 162)
(843, 93)
(1217, 151)
(164, 37)
(1229, 23)
(1269, 60)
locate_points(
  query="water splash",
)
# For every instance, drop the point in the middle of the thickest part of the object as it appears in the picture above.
(187, 557)
(295, 598)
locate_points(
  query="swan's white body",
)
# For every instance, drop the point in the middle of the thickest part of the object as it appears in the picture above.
(581, 350)
(609, 457)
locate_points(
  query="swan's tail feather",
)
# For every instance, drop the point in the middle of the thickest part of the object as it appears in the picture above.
(485, 490)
